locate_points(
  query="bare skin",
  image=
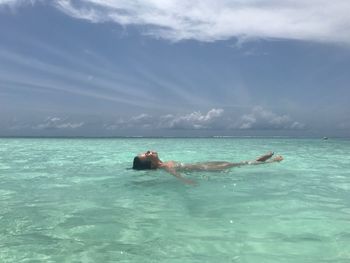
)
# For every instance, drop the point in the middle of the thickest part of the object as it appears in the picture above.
(174, 168)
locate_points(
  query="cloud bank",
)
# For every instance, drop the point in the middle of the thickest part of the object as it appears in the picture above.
(206, 20)
(258, 118)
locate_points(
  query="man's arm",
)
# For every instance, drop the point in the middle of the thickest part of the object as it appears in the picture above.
(173, 172)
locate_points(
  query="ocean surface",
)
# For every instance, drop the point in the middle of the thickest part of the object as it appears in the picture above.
(77, 200)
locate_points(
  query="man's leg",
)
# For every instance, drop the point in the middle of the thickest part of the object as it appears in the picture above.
(219, 166)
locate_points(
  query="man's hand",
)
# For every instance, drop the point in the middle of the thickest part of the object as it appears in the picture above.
(173, 172)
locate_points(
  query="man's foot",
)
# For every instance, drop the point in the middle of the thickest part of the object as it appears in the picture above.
(265, 157)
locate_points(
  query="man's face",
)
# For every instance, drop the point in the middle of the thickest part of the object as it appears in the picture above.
(149, 155)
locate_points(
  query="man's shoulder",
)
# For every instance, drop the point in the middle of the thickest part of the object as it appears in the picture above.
(169, 164)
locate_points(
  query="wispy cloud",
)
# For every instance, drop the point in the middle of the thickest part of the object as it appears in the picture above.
(140, 121)
(312, 20)
(89, 76)
(109, 87)
(49, 123)
(14, 3)
(57, 123)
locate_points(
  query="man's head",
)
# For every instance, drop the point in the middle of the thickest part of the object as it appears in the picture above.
(147, 160)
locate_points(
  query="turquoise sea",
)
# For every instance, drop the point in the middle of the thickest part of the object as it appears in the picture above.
(77, 200)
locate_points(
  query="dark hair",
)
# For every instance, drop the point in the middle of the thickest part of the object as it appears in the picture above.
(139, 164)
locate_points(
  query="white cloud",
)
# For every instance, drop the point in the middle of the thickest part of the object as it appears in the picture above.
(194, 120)
(57, 123)
(207, 20)
(260, 118)
(297, 125)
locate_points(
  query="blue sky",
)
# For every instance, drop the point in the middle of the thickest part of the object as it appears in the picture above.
(174, 68)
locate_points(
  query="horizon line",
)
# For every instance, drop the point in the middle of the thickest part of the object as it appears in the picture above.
(175, 137)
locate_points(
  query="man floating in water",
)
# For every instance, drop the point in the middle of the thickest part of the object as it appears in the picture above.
(150, 160)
